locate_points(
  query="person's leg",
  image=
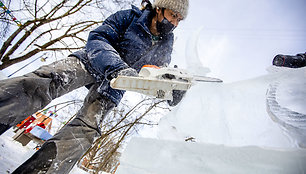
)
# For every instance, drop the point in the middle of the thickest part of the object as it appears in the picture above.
(4, 127)
(60, 153)
(23, 96)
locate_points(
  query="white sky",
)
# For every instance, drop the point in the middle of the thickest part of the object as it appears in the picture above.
(238, 39)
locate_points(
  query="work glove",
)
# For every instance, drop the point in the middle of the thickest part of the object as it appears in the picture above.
(124, 72)
(296, 61)
(177, 97)
(128, 72)
(105, 85)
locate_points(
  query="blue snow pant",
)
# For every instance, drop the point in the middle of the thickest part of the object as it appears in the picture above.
(23, 96)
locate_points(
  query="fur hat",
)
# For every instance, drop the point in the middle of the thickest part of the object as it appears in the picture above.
(180, 6)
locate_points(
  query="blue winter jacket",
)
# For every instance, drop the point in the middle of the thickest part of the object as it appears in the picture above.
(123, 40)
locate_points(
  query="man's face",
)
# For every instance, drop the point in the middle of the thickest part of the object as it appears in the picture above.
(170, 15)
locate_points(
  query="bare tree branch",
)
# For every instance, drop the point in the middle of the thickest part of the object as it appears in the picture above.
(33, 31)
(104, 155)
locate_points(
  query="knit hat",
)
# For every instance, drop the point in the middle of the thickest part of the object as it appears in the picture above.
(180, 6)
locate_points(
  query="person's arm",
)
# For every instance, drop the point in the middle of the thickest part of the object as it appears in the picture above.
(102, 41)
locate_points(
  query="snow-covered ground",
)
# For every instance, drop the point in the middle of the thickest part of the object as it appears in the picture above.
(12, 153)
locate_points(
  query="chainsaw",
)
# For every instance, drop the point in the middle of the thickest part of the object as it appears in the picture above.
(159, 82)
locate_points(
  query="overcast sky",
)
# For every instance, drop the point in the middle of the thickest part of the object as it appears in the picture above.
(237, 39)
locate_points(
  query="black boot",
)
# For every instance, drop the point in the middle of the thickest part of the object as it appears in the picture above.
(296, 61)
(40, 162)
(4, 127)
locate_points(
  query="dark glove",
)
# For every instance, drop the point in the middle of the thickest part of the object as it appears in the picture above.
(296, 61)
(124, 72)
(177, 97)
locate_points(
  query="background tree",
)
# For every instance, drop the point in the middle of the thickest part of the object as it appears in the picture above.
(51, 26)
(123, 123)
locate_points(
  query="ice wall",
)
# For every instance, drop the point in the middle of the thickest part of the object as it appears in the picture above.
(149, 156)
(236, 114)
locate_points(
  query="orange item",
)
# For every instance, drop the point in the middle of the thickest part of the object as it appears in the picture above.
(40, 120)
(151, 66)
(25, 123)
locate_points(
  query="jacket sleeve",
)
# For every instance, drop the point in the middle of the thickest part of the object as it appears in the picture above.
(101, 52)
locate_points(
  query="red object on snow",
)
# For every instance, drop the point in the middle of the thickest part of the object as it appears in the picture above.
(25, 123)
(42, 125)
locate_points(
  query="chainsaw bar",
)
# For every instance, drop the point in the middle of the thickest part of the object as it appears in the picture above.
(206, 79)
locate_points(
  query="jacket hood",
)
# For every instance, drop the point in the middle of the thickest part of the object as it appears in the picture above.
(143, 18)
